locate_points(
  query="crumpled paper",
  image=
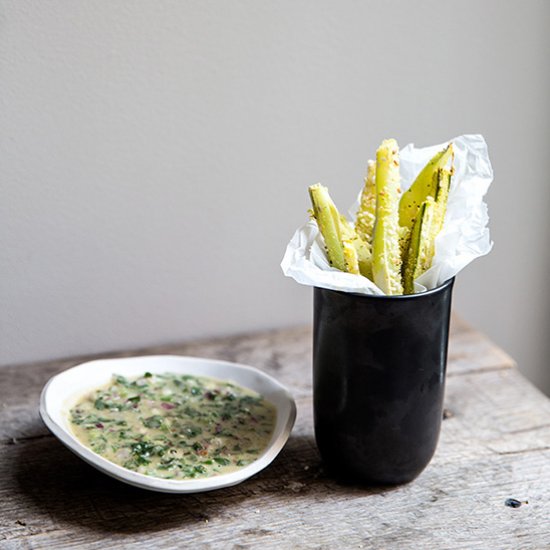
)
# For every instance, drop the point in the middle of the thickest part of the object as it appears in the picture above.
(464, 237)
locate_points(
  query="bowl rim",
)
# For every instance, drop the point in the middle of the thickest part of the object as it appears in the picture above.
(279, 439)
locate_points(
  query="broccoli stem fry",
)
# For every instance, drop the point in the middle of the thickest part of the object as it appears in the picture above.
(421, 249)
(364, 256)
(366, 214)
(328, 220)
(427, 226)
(345, 250)
(422, 187)
(350, 257)
(386, 256)
(442, 179)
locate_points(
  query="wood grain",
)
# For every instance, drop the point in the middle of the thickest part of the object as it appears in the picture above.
(495, 444)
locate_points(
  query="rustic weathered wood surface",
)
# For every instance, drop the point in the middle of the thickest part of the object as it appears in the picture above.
(495, 444)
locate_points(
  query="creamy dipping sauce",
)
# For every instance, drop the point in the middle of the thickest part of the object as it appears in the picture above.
(174, 426)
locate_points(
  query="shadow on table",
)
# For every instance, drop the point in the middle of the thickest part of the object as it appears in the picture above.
(55, 482)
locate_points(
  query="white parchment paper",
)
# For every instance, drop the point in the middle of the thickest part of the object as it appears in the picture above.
(464, 237)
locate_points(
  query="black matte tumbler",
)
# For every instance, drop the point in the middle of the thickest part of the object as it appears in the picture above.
(378, 381)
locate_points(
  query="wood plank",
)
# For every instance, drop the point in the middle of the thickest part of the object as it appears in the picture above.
(285, 354)
(495, 444)
(459, 499)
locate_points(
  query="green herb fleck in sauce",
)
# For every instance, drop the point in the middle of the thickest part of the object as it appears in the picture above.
(173, 426)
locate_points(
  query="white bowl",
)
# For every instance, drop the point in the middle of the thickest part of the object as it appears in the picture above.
(62, 392)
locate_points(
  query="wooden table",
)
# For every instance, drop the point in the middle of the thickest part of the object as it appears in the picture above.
(495, 445)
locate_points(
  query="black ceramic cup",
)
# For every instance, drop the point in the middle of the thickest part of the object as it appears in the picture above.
(378, 381)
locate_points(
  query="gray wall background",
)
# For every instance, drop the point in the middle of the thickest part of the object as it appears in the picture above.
(156, 155)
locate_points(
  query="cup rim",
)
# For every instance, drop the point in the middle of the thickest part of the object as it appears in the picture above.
(448, 283)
